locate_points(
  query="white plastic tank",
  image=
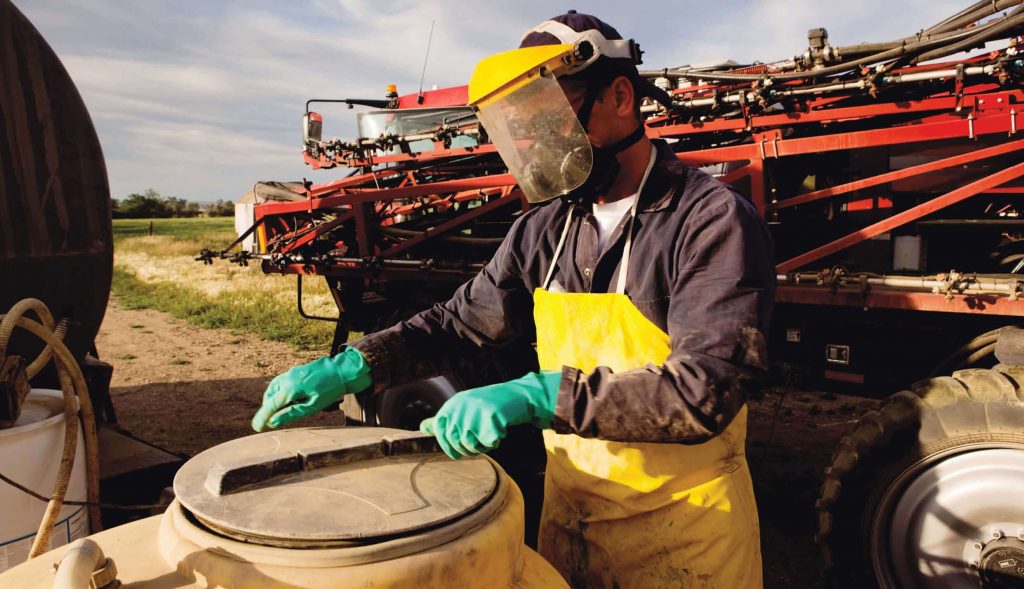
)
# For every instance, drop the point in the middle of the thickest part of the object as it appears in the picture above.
(321, 508)
(30, 454)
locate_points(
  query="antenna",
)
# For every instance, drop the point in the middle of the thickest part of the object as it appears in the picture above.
(419, 97)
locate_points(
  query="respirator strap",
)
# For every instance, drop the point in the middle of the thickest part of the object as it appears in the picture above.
(588, 105)
(627, 141)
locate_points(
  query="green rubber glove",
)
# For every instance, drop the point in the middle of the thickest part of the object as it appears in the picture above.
(308, 388)
(475, 421)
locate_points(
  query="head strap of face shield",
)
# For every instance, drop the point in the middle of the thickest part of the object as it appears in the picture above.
(588, 46)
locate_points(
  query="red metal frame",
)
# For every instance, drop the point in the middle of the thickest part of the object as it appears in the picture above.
(507, 197)
(453, 96)
(900, 219)
(771, 146)
(814, 124)
(969, 157)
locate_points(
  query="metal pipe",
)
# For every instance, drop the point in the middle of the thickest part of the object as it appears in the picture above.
(854, 85)
(700, 102)
(302, 312)
(969, 284)
(937, 74)
(427, 265)
(461, 130)
(892, 80)
(678, 72)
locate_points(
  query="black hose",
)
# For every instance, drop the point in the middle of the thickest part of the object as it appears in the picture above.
(970, 350)
(862, 48)
(391, 231)
(979, 5)
(973, 36)
(952, 27)
(1014, 19)
(979, 355)
(986, 9)
(890, 54)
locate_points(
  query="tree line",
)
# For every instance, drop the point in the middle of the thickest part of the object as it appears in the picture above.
(151, 204)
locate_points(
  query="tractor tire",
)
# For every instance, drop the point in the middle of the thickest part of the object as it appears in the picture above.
(927, 490)
(402, 407)
(406, 406)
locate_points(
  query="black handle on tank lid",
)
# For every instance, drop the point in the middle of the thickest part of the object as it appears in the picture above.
(228, 477)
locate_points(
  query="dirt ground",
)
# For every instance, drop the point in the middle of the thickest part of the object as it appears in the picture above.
(185, 389)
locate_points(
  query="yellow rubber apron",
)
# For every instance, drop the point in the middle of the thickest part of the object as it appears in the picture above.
(630, 515)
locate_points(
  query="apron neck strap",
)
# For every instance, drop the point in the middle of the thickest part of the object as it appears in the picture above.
(620, 286)
(558, 248)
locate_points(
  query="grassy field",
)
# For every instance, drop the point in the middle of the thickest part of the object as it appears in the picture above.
(157, 272)
(208, 231)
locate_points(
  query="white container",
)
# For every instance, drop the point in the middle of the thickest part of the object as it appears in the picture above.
(324, 508)
(908, 253)
(245, 216)
(30, 454)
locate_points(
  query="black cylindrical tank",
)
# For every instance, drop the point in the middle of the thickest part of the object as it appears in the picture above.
(55, 232)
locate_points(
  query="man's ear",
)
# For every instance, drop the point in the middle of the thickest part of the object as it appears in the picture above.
(623, 95)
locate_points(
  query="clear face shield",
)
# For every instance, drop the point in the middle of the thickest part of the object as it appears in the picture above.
(539, 137)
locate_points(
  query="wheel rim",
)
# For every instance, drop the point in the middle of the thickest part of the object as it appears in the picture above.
(406, 406)
(953, 520)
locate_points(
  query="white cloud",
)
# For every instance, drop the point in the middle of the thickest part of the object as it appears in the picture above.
(200, 99)
(178, 144)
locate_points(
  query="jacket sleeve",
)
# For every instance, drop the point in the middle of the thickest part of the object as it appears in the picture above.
(718, 313)
(459, 336)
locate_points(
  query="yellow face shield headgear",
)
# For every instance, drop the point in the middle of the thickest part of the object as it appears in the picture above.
(530, 121)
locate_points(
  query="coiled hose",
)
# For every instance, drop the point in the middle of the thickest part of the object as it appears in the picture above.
(76, 398)
(969, 354)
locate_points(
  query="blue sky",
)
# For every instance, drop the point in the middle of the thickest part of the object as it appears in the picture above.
(200, 99)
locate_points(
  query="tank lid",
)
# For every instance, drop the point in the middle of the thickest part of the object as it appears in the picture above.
(320, 487)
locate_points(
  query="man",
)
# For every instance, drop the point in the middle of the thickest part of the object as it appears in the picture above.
(647, 287)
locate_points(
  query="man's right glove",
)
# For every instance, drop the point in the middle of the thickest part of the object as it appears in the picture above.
(309, 388)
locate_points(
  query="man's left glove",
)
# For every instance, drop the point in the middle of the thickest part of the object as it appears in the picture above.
(475, 421)
(312, 387)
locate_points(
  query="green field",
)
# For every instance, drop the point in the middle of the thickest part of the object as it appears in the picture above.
(212, 232)
(158, 272)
